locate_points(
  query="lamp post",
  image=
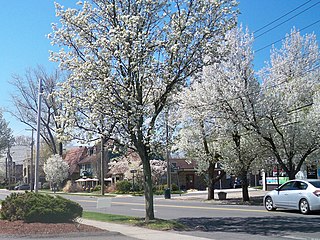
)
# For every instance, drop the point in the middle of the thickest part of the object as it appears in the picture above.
(168, 190)
(36, 167)
(31, 160)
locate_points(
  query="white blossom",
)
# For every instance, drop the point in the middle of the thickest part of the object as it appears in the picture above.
(127, 58)
(289, 103)
(56, 169)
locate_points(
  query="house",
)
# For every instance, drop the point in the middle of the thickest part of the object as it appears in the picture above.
(85, 162)
(184, 175)
(124, 165)
(73, 157)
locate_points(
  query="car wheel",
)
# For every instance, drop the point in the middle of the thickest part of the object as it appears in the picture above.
(268, 204)
(304, 206)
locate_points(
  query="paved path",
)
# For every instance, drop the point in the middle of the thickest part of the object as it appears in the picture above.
(139, 233)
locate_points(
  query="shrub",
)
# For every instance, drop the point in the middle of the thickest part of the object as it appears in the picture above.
(159, 188)
(111, 188)
(174, 187)
(71, 187)
(97, 188)
(35, 207)
(46, 185)
(123, 186)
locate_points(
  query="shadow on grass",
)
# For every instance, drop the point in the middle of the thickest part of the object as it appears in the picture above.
(253, 225)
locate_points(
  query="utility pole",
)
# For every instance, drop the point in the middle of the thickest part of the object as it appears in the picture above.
(31, 160)
(6, 170)
(36, 168)
(168, 194)
(102, 165)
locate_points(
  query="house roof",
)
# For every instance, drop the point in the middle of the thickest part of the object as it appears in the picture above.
(184, 164)
(90, 158)
(124, 163)
(74, 156)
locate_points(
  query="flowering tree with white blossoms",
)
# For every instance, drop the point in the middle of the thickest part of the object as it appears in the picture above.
(124, 166)
(127, 57)
(158, 170)
(198, 133)
(236, 92)
(289, 103)
(217, 109)
(56, 169)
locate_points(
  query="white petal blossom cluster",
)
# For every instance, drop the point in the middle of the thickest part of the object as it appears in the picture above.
(56, 169)
(124, 166)
(125, 59)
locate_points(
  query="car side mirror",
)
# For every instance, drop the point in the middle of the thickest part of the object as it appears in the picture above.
(277, 189)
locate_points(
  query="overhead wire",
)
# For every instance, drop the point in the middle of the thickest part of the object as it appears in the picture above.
(286, 20)
(269, 45)
(286, 14)
(282, 82)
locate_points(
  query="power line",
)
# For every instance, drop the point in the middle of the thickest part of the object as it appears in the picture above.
(286, 20)
(269, 45)
(281, 17)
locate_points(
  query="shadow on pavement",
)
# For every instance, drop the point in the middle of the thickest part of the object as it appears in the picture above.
(254, 225)
(257, 201)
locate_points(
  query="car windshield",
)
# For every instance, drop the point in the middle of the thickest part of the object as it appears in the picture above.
(315, 183)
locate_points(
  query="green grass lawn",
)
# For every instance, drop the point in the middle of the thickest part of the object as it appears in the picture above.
(157, 224)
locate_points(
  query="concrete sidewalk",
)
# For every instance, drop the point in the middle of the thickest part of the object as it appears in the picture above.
(137, 232)
(231, 194)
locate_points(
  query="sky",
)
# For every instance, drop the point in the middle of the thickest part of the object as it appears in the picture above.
(25, 24)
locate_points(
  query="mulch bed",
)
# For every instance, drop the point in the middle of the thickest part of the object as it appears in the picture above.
(22, 228)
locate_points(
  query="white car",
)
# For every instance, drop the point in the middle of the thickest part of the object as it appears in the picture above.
(302, 195)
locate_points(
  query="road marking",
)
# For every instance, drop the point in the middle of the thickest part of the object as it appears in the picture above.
(195, 207)
(91, 201)
(139, 209)
(179, 206)
(293, 237)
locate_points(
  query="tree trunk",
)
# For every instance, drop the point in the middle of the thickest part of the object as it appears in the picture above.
(245, 192)
(148, 193)
(211, 181)
(292, 175)
(60, 148)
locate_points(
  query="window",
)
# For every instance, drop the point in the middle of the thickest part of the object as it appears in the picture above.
(315, 183)
(287, 186)
(300, 185)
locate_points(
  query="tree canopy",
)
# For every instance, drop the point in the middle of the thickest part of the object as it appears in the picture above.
(288, 106)
(56, 169)
(6, 135)
(127, 57)
(25, 101)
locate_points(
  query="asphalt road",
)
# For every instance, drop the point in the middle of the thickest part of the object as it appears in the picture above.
(206, 219)
(213, 221)
(168, 208)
